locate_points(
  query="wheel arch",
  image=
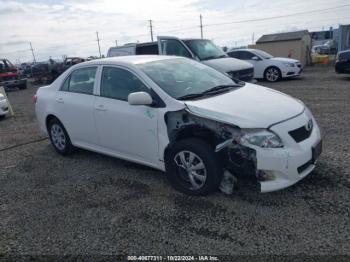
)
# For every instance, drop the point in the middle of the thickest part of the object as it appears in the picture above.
(49, 117)
(193, 131)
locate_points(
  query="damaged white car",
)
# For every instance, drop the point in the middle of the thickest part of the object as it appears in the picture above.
(182, 117)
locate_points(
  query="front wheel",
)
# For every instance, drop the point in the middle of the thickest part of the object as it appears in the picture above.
(193, 167)
(272, 74)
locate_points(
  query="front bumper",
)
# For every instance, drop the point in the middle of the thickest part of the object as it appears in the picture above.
(286, 166)
(292, 71)
(4, 108)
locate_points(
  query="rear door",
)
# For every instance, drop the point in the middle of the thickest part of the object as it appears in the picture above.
(74, 105)
(168, 45)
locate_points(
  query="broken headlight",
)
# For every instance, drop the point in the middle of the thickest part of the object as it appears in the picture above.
(264, 139)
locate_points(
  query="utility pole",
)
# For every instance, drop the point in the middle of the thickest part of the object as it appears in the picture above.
(31, 48)
(98, 42)
(116, 43)
(201, 25)
(253, 39)
(151, 29)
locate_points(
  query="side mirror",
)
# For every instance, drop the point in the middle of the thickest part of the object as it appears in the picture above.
(140, 99)
(255, 58)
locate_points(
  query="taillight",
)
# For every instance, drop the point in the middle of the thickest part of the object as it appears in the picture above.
(34, 98)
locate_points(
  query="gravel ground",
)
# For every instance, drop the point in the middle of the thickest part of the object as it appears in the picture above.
(93, 204)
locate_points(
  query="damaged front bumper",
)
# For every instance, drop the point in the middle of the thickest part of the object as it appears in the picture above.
(279, 168)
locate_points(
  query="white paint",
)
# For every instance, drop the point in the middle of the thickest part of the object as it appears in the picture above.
(139, 133)
(280, 62)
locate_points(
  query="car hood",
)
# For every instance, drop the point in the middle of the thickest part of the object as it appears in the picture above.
(227, 64)
(250, 106)
(284, 59)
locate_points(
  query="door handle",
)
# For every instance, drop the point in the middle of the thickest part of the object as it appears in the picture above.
(100, 108)
(60, 100)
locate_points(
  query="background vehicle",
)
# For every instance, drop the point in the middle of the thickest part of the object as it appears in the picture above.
(201, 50)
(342, 63)
(9, 76)
(266, 66)
(4, 108)
(320, 49)
(70, 61)
(182, 117)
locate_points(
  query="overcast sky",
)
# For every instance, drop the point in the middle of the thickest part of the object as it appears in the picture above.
(68, 27)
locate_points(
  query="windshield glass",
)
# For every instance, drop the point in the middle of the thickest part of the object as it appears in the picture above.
(205, 49)
(263, 54)
(179, 77)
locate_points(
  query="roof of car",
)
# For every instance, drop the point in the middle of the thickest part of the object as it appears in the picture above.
(131, 60)
(242, 49)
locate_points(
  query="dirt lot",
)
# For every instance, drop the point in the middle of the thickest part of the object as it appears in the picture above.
(93, 204)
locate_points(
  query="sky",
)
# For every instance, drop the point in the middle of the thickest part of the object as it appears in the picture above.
(68, 27)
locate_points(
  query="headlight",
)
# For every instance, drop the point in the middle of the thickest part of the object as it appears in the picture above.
(289, 64)
(264, 139)
(2, 97)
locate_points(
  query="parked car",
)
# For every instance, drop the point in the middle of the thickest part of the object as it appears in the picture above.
(9, 76)
(183, 117)
(342, 63)
(4, 107)
(201, 50)
(70, 61)
(267, 66)
(320, 50)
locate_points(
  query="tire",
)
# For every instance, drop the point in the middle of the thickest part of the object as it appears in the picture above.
(272, 74)
(2, 117)
(60, 138)
(198, 181)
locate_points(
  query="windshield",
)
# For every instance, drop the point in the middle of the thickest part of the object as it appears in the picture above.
(205, 49)
(179, 77)
(263, 54)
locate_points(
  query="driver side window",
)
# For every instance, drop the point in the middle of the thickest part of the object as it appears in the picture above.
(174, 47)
(245, 55)
(118, 83)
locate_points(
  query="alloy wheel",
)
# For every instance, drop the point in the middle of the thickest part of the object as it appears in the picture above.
(191, 169)
(58, 137)
(272, 74)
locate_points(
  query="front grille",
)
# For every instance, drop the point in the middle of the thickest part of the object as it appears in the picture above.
(244, 75)
(300, 134)
(303, 167)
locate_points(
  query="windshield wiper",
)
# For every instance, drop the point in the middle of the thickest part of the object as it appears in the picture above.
(218, 88)
(213, 90)
(214, 57)
(190, 96)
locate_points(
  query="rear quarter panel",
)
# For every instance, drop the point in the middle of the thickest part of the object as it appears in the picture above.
(44, 105)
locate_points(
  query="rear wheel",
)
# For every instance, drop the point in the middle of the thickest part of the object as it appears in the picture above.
(193, 167)
(59, 137)
(272, 74)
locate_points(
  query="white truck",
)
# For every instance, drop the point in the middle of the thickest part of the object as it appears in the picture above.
(202, 50)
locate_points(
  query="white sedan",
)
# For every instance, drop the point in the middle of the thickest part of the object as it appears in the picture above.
(266, 66)
(183, 117)
(4, 107)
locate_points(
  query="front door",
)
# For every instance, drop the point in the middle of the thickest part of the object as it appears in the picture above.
(127, 130)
